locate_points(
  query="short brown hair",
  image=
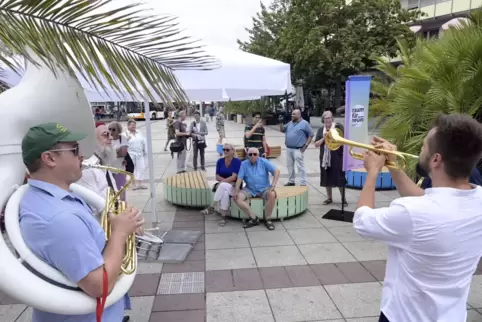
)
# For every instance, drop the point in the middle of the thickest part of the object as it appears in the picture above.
(458, 138)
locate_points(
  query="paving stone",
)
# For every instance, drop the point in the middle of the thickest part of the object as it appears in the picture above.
(302, 276)
(329, 274)
(278, 256)
(199, 246)
(346, 234)
(189, 217)
(145, 285)
(181, 283)
(474, 316)
(247, 279)
(226, 240)
(178, 316)
(274, 277)
(325, 253)
(356, 300)
(7, 300)
(355, 272)
(367, 251)
(219, 281)
(311, 236)
(221, 259)
(196, 255)
(179, 302)
(376, 268)
(182, 237)
(302, 304)
(242, 306)
(188, 225)
(10, 313)
(269, 238)
(141, 308)
(304, 221)
(475, 295)
(187, 266)
(174, 253)
(148, 267)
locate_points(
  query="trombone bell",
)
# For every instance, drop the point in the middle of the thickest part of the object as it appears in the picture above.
(334, 140)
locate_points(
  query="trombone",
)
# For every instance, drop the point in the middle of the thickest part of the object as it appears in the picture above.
(334, 140)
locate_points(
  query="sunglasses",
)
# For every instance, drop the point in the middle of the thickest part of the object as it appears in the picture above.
(112, 130)
(252, 154)
(226, 150)
(75, 150)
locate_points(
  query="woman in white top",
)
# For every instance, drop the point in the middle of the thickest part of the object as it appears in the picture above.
(137, 148)
(119, 144)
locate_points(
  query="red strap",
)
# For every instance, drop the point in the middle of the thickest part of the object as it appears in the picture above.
(101, 301)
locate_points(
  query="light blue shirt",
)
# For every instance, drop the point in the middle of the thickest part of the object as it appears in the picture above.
(256, 176)
(297, 133)
(60, 229)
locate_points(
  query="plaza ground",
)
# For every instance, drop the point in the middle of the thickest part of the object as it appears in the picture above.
(308, 269)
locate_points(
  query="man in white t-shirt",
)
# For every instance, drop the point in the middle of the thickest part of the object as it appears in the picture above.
(98, 180)
(434, 237)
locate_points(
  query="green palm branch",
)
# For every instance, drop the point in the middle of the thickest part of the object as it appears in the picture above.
(440, 76)
(126, 46)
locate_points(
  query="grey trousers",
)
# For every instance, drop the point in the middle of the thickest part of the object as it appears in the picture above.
(196, 149)
(181, 161)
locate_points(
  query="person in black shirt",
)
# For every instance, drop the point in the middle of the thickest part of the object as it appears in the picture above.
(254, 136)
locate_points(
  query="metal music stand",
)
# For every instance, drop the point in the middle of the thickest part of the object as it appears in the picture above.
(337, 214)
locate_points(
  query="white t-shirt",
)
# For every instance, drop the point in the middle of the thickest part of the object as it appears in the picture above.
(434, 246)
(122, 141)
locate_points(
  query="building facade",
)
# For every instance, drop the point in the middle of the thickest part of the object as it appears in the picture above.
(438, 12)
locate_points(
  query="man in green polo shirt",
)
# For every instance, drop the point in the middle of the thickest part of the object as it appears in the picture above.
(254, 136)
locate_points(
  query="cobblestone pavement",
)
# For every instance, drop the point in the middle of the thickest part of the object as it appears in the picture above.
(308, 269)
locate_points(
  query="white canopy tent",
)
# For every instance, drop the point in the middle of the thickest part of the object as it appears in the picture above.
(242, 76)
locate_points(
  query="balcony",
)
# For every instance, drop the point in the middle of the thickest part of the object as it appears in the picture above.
(441, 8)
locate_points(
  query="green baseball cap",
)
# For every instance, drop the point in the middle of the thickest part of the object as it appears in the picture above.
(43, 137)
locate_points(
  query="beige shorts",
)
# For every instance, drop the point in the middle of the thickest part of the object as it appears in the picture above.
(263, 195)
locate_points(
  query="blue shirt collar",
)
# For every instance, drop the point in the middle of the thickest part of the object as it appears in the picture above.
(51, 189)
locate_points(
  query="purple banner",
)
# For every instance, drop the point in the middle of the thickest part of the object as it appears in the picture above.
(356, 117)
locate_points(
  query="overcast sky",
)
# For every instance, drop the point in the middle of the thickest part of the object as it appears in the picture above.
(217, 22)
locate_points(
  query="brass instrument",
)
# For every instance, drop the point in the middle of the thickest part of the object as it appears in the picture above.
(115, 206)
(334, 140)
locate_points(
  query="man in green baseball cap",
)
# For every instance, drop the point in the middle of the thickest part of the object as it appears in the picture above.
(52, 148)
(61, 229)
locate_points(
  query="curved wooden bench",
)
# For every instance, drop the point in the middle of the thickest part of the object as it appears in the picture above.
(189, 189)
(291, 201)
(275, 151)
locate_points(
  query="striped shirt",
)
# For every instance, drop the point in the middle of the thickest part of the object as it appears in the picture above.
(256, 140)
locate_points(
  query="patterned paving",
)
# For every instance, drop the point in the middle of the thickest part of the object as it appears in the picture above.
(308, 269)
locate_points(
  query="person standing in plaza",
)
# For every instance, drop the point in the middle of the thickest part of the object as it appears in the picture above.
(181, 136)
(120, 145)
(198, 130)
(137, 149)
(171, 133)
(433, 236)
(220, 125)
(298, 136)
(255, 136)
(331, 162)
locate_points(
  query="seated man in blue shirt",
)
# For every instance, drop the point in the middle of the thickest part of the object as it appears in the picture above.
(255, 173)
(60, 228)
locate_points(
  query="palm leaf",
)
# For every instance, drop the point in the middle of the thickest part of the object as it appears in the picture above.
(127, 47)
(440, 76)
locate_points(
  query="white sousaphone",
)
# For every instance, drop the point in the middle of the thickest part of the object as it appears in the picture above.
(42, 97)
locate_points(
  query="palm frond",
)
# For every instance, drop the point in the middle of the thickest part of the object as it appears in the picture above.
(442, 76)
(126, 47)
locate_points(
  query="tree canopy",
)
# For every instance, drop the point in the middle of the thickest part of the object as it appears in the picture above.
(326, 40)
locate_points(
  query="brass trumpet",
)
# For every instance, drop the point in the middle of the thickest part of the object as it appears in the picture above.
(334, 140)
(115, 206)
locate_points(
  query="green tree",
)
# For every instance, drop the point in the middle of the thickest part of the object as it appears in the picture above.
(440, 76)
(326, 41)
(267, 26)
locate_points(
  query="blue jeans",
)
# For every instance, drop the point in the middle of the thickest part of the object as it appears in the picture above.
(296, 156)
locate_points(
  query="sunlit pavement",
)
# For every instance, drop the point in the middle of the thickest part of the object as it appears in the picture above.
(308, 269)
